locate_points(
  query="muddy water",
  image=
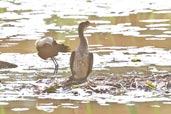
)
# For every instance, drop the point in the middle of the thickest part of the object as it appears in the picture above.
(125, 30)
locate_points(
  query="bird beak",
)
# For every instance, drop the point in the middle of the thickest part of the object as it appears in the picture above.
(92, 24)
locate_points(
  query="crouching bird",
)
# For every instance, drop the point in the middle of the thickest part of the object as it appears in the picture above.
(47, 47)
(81, 60)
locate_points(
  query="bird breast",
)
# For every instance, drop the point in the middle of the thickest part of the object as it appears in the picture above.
(80, 65)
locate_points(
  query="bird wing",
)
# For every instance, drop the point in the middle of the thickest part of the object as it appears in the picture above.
(72, 61)
(90, 64)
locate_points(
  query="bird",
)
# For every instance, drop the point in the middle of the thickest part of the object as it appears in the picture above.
(81, 60)
(48, 47)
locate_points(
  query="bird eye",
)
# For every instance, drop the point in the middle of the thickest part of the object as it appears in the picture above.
(87, 22)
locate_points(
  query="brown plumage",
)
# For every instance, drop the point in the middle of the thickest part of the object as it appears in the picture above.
(48, 48)
(81, 60)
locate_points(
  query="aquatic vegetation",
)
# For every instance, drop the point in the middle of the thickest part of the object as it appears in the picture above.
(151, 85)
(136, 60)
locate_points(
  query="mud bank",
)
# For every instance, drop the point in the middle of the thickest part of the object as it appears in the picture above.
(4, 64)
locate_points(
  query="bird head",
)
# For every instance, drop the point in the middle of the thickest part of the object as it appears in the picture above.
(44, 41)
(85, 24)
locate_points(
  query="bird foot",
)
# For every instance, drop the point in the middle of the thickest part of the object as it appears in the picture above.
(72, 81)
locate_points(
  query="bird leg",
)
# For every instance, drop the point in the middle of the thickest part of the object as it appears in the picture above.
(56, 65)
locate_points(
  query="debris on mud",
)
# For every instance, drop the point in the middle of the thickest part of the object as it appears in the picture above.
(116, 85)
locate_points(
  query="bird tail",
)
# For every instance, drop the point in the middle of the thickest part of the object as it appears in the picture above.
(63, 48)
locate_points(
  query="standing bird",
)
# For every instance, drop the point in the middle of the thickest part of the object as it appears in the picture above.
(47, 47)
(81, 60)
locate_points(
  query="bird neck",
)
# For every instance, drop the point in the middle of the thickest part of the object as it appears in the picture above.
(83, 39)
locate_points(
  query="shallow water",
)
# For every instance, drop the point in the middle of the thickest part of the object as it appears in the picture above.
(71, 107)
(125, 30)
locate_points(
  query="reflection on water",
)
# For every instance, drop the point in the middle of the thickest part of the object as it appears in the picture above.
(125, 30)
(69, 107)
